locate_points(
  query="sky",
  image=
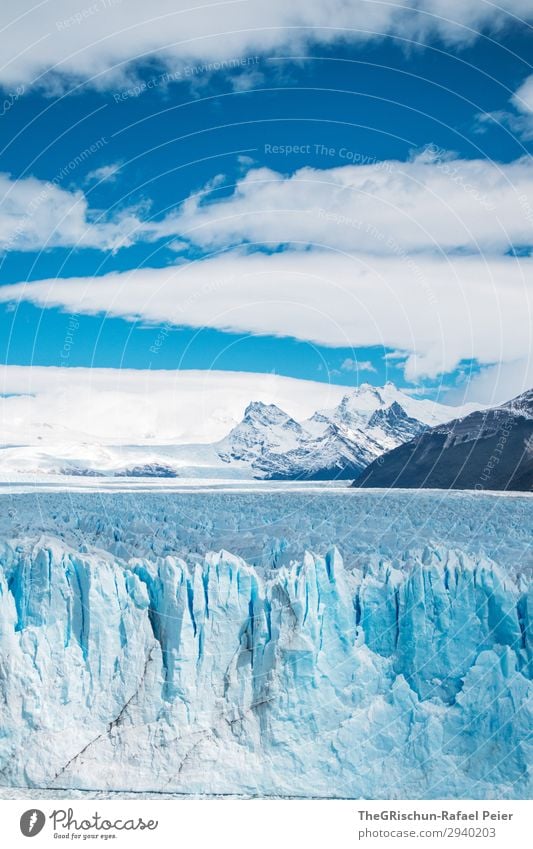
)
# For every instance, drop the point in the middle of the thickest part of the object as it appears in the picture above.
(335, 192)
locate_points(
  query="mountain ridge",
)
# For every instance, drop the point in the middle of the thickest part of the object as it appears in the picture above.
(268, 443)
(486, 449)
(333, 443)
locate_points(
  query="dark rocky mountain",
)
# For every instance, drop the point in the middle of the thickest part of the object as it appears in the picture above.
(490, 449)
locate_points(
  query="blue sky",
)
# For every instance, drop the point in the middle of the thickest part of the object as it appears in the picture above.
(127, 152)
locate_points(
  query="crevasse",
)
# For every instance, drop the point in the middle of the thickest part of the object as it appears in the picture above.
(385, 680)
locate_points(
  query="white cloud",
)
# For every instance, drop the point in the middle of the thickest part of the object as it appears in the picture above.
(451, 310)
(434, 202)
(106, 173)
(350, 364)
(523, 103)
(494, 384)
(247, 80)
(130, 406)
(523, 97)
(102, 37)
(38, 214)
(522, 123)
(177, 245)
(395, 355)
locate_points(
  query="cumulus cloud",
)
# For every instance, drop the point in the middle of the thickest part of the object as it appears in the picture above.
(451, 310)
(136, 407)
(523, 97)
(523, 103)
(494, 384)
(519, 121)
(349, 364)
(37, 214)
(434, 202)
(106, 173)
(100, 41)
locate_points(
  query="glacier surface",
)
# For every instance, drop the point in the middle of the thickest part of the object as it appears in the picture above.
(332, 644)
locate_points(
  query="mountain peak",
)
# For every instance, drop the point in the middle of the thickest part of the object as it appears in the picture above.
(256, 406)
(364, 388)
(364, 398)
(394, 410)
(521, 405)
(265, 412)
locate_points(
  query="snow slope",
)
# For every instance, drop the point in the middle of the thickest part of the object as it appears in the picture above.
(133, 658)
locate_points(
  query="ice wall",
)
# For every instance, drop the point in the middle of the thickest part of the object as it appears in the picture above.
(388, 680)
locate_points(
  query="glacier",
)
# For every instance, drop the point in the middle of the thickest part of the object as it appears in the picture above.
(326, 643)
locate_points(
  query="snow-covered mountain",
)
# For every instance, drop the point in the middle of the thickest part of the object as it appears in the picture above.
(358, 405)
(267, 443)
(333, 443)
(277, 447)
